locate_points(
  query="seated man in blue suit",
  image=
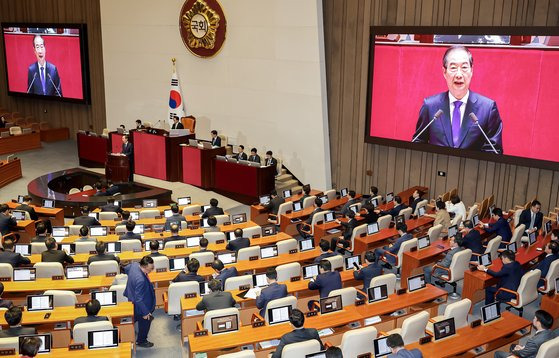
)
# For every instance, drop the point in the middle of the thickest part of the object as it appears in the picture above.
(222, 273)
(472, 238)
(367, 273)
(299, 333)
(499, 227)
(509, 278)
(139, 290)
(240, 242)
(326, 281)
(324, 251)
(532, 218)
(272, 292)
(129, 234)
(394, 247)
(396, 344)
(454, 128)
(395, 211)
(551, 254)
(174, 218)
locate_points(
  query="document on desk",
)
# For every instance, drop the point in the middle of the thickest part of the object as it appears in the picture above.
(194, 313)
(325, 332)
(102, 339)
(372, 320)
(269, 344)
(333, 231)
(252, 293)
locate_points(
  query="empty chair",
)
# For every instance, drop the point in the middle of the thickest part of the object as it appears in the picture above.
(434, 232)
(286, 271)
(527, 291)
(222, 219)
(242, 354)
(406, 246)
(472, 212)
(80, 331)
(388, 279)
(406, 212)
(300, 349)
(74, 191)
(38, 247)
(548, 349)
(191, 209)
(233, 283)
(285, 245)
(74, 229)
(219, 313)
(160, 262)
(457, 310)
(149, 213)
(423, 203)
(349, 295)
(119, 292)
(107, 215)
(517, 235)
(130, 245)
(330, 194)
(309, 229)
(455, 272)
(247, 252)
(279, 302)
(309, 201)
(337, 262)
(102, 268)
(6, 270)
(175, 292)
(120, 229)
(283, 208)
(413, 327)
(85, 247)
(48, 269)
(87, 187)
(203, 257)
(9, 343)
(173, 244)
(213, 237)
(62, 298)
(549, 279)
(252, 231)
(384, 222)
(357, 341)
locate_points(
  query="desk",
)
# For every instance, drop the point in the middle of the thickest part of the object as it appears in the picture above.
(476, 281)
(20, 143)
(288, 226)
(551, 305)
(123, 350)
(43, 284)
(197, 165)
(55, 215)
(259, 214)
(9, 171)
(241, 182)
(92, 150)
(416, 259)
(54, 134)
(26, 229)
(491, 337)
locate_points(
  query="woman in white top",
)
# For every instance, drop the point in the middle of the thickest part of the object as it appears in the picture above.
(456, 206)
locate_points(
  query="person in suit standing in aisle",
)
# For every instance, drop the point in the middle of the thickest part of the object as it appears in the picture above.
(509, 277)
(216, 140)
(176, 123)
(54, 255)
(272, 292)
(254, 157)
(217, 299)
(241, 155)
(396, 344)
(299, 333)
(500, 226)
(25, 206)
(140, 291)
(532, 218)
(240, 242)
(128, 150)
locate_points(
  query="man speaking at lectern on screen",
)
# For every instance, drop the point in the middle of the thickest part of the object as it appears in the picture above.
(42, 76)
(460, 118)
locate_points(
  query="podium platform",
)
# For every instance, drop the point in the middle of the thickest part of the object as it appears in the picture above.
(197, 165)
(242, 182)
(117, 168)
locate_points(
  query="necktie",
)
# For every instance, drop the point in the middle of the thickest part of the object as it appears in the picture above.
(43, 80)
(456, 123)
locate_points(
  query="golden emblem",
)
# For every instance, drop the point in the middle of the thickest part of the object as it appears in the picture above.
(201, 24)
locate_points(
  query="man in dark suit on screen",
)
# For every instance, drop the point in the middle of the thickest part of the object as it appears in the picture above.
(42, 76)
(128, 150)
(454, 128)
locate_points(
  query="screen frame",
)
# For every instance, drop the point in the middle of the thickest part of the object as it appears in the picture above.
(270, 310)
(84, 58)
(450, 321)
(90, 335)
(483, 315)
(227, 330)
(451, 30)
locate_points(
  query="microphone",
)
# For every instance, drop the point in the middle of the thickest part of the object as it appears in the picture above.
(473, 117)
(34, 76)
(436, 116)
(56, 88)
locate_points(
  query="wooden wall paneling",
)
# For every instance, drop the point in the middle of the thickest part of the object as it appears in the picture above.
(552, 11)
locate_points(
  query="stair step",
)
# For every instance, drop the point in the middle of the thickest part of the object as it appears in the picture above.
(284, 177)
(286, 184)
(283, 171)
(297, 189)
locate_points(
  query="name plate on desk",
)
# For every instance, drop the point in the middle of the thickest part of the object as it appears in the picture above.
(293, 251)
(7, 352)
(475, 323)
(257, 324)
(190, 295)
(201, 333)
(360, 302)
(227, 223)
(110, 274)
(179, 246)
(5, 279)
(295, 279)
(364, 355)
(161, 269)
(57, 277)
(244, 287)
(79, 305)
(92, 252)
(75, 347)
(220, 242)
(253, 258)
(424, 340)
(401, 291)
(256, 236)
(311, 313)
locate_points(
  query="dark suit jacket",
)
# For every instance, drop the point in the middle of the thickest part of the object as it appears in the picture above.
(326, 282)
(274, 204)
(533, 344)
(509, 275)
(111, 208)
(139, 290)
(39, 238)
(544, 265)
(13, 258)
(472, 241)
(112, 190)
(34, 80)
(7, 224)
(271, 162)
(128, 150)
(366, 274)
(185, 277)
(238, 244)
(371, 217)
(526, 218)
(56, 256)
(414, 203)
(395, 211)
(173, 238)
(32, 214)
(500, 227)
(175, 218)
(156, 254)
(6, 303)
(404, 353)
(225, 274)
(216, 301)
(440, 131)
(316, 210)
(129, 235)
(296, 336)
(349, 226)
(17, 331)
(272, 292)
(212, 211)
(396, 246)
(254, 158)
(87, 319)
(345, 209)
(216, 142)
(177, 125)
(241, 156)
(86, 220)
(103, 257)
(323, 256)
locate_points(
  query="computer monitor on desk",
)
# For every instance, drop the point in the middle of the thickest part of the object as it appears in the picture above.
(102, 339)
(40, 302)
(177, 263)
(193, 241)
(44, 338)
(23, 249)
(239, 218)
(306, 244)
(227, 257)
(485, 259)
(168, 213)
(381, 349)
(185, 200)
(490, 312)
(353, 262)
(268, 230)
(377, 293)
(24, 274)
(279, 314)
(444, 329)
(416, 282)
(94, 215)
(264, 199)
(297, 206)
(77, 272)
(48, 203)
(259, 280)
(372, 228)
(423, 242)
(98, 231)
(149, 203)
(105, 298)
(343, 192)
(269, 251)
(331, 304)
(389, 197)
(452, 231)
(310, 271)
(287, 193)
(134, 215)
(329, 217)
(70, 249)
(421, 211)
(20, 199)
(148, 242)
(224, 324)
(139, 229)
(532, 238)
(19, 215)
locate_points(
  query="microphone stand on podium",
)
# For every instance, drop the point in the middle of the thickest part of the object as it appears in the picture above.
(117, 168)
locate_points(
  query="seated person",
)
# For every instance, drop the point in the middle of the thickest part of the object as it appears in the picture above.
(92, 307)
(222, 273)
(326, 281)
(110, 206)
(13, 318)
(456, 243)
(368, 214)
(348, 226)
(306, 193)
(213, 210)
(367, 273)
(124, 216)
(472, 238)
(99, 189)
(272, 292)
(176, 123)
(396, 344)
(442, 217)
(190, 272)
(417, 198)
(112, 190)
(241, 155)
(551, 254)
(456, 207)
(254, 157)
(555, 235)
(212, 225)
(176, 217)
(129, 234)
(542, 323)
(4, 303)
(395, 211)
(154, 249)
(333, 352)
(532, 218)
(273, 206)
(26, 206)
(299, 333)
(30, 347)
(324, 251)
(270, 161)
(394, 247)
(500, 226)
(41, 232)
(85, 219)
(509, 277)
(216, 140)
(217, 299)
(54, 255)
(7, 222)
(203, 246)
(240, 242)
(84, 231)
(139, 124)
(8, 256)
(351, 201)
(101, 249)
(317, 209)
(174, 234)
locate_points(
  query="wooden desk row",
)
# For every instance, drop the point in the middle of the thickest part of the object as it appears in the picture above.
(9, 171)
(123, 350)
(55, 215)
(20, 143)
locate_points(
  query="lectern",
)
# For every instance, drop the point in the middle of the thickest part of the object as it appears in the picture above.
(117, 168)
